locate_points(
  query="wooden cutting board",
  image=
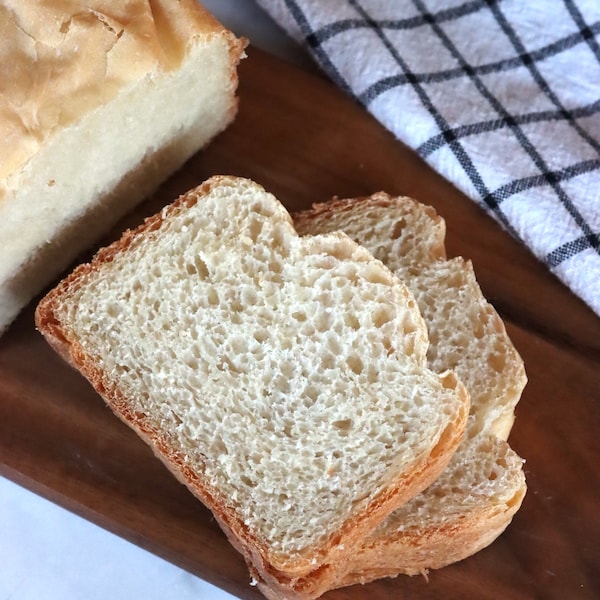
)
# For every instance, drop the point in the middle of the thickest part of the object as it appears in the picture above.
(305, 141)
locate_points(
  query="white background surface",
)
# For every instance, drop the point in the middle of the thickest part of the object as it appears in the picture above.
(46, 552)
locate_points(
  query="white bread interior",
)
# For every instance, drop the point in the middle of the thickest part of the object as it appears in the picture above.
(101, 102)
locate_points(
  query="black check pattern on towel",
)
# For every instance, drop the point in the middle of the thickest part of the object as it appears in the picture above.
(502, 97)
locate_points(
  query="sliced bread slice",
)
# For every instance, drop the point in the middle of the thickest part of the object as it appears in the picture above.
(476, 497)
(466, 334)
(281, 378)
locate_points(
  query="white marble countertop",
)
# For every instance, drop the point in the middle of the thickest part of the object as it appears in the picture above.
(49, 553)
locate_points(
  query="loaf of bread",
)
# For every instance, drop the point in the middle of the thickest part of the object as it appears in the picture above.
(100, 100)
(282, 378)
(482, 488)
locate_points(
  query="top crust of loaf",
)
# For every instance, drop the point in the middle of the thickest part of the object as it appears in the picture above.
(281, 378)
(61, 60)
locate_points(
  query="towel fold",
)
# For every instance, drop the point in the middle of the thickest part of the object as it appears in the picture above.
(500, 97)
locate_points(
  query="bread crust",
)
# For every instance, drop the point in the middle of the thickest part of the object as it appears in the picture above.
(100, 46)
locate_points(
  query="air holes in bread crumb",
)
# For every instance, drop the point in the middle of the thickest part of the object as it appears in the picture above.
(254, 229)
(225, 365)
(192, 363)
(355, 363)
(479, 330)
(323, 320)
(399, 227)
(288, 429)
(333, 345)
(113, 310)
(261, 335)
(307, 330)
(311, 393)
(328, 361)
(282, 384)
(497, 361)
(275, 267)
(247, 481)
(372, 374)
(197, 267)
(350, 320)
(238, 345)
(212, 297)
(382, 315)
(236, 305)
(249, 296)
(501, 462)
(287, 369)
(344, 425)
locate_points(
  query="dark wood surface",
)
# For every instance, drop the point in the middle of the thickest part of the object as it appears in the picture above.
(305, 141)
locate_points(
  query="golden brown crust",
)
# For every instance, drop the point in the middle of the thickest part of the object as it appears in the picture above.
(66, 58)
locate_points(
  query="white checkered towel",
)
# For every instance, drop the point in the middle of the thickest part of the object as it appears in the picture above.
(500, 97)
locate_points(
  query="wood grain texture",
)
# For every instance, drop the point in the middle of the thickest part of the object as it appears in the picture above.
(303, 140)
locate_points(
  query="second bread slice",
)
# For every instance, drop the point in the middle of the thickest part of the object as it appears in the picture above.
(482, 488)
(281, 378)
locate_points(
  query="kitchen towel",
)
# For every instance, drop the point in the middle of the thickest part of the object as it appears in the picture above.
(500, 97)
